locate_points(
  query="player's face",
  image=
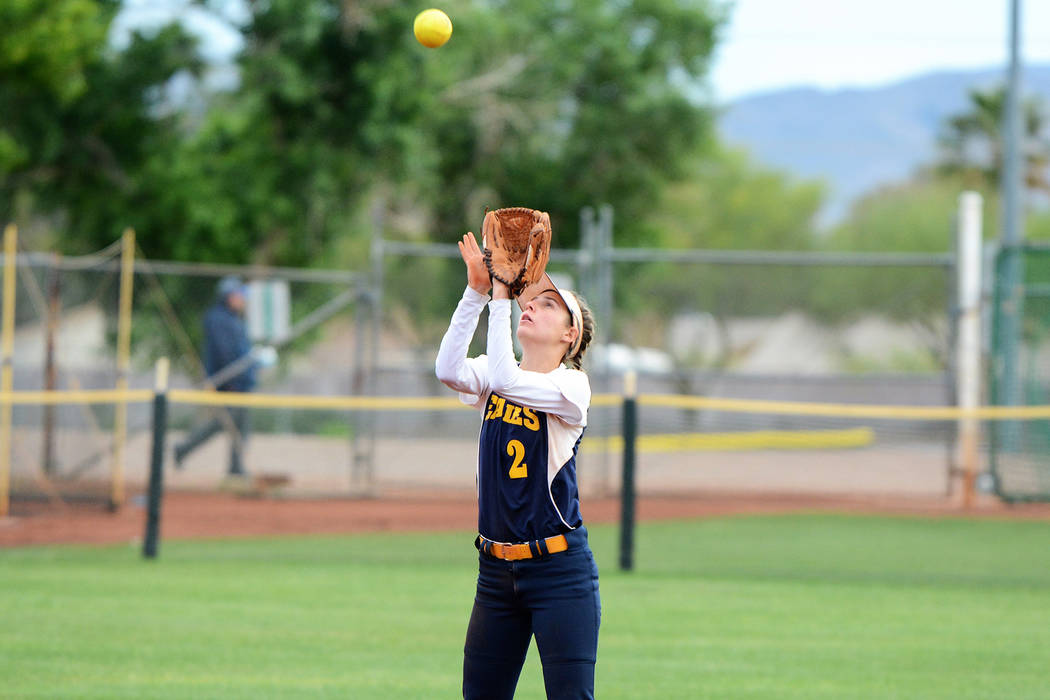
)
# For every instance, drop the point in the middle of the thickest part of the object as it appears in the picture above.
(545, 320)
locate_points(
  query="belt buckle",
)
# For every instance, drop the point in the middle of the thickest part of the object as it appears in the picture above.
(512, 552)
(500, 550)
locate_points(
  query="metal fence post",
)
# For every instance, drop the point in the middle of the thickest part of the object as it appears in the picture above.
(7, 343)
(587, 283)
(155, 494)
(604, 265)
(364, 458)
(54, 317)
(120, 418)
(1011, 272)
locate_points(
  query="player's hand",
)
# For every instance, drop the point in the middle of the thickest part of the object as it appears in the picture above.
(477, 273)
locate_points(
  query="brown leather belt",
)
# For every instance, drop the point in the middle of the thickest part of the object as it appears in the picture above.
(524, 550)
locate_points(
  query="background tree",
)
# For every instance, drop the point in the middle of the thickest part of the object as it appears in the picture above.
(82, 121)
(971, 143)
(573, 104)
(327, 96)
(556, 107)
(336, 102)
(725, 200)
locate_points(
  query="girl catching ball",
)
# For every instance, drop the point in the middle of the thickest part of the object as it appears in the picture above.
(536, 573)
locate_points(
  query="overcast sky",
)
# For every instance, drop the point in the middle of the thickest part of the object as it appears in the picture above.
(771, 44)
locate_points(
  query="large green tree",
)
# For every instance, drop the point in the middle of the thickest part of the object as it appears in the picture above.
(45, 49)
(82, 120)
(550, 105)
(555, 106)
(328, 95)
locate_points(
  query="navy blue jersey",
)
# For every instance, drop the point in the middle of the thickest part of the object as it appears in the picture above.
(526, 473)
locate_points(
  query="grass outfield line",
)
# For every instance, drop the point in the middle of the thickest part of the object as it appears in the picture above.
(800, 606)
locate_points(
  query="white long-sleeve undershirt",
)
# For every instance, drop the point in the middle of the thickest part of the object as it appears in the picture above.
(562, 392)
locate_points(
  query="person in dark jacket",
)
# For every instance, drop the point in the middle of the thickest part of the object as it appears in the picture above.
(230, 367)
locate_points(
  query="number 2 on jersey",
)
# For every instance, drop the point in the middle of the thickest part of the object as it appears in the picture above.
(518, 470)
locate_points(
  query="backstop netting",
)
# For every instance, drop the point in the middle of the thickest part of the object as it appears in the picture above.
(65, 330)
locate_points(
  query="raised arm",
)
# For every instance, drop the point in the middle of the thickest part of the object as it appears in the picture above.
(453, 367)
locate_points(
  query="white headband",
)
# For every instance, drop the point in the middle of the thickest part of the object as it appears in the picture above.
(577, 319)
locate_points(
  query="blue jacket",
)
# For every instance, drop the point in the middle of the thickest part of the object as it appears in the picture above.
(225, 342)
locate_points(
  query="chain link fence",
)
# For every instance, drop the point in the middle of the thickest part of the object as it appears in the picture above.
(793, 326)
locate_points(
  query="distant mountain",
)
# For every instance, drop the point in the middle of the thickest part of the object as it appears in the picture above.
(858, 139)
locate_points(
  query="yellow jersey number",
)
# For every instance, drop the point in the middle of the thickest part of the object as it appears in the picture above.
(516, 450)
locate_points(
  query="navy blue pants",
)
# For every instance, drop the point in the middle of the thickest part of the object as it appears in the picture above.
(554, 597)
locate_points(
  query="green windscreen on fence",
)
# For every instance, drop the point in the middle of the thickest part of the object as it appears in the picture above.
(1020, 450)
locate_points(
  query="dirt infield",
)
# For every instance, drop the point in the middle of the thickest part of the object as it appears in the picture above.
(197, 515)
(428, 484)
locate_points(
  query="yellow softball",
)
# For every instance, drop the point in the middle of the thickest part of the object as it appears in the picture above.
(432, 28)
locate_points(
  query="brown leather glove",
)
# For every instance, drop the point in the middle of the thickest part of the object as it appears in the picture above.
(517, 244)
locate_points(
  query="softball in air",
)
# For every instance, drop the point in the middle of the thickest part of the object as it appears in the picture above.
(432, 28)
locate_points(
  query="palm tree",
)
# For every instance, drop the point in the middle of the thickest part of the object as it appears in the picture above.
(971, 143)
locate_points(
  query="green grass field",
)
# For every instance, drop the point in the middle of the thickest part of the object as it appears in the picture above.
(803, 606)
